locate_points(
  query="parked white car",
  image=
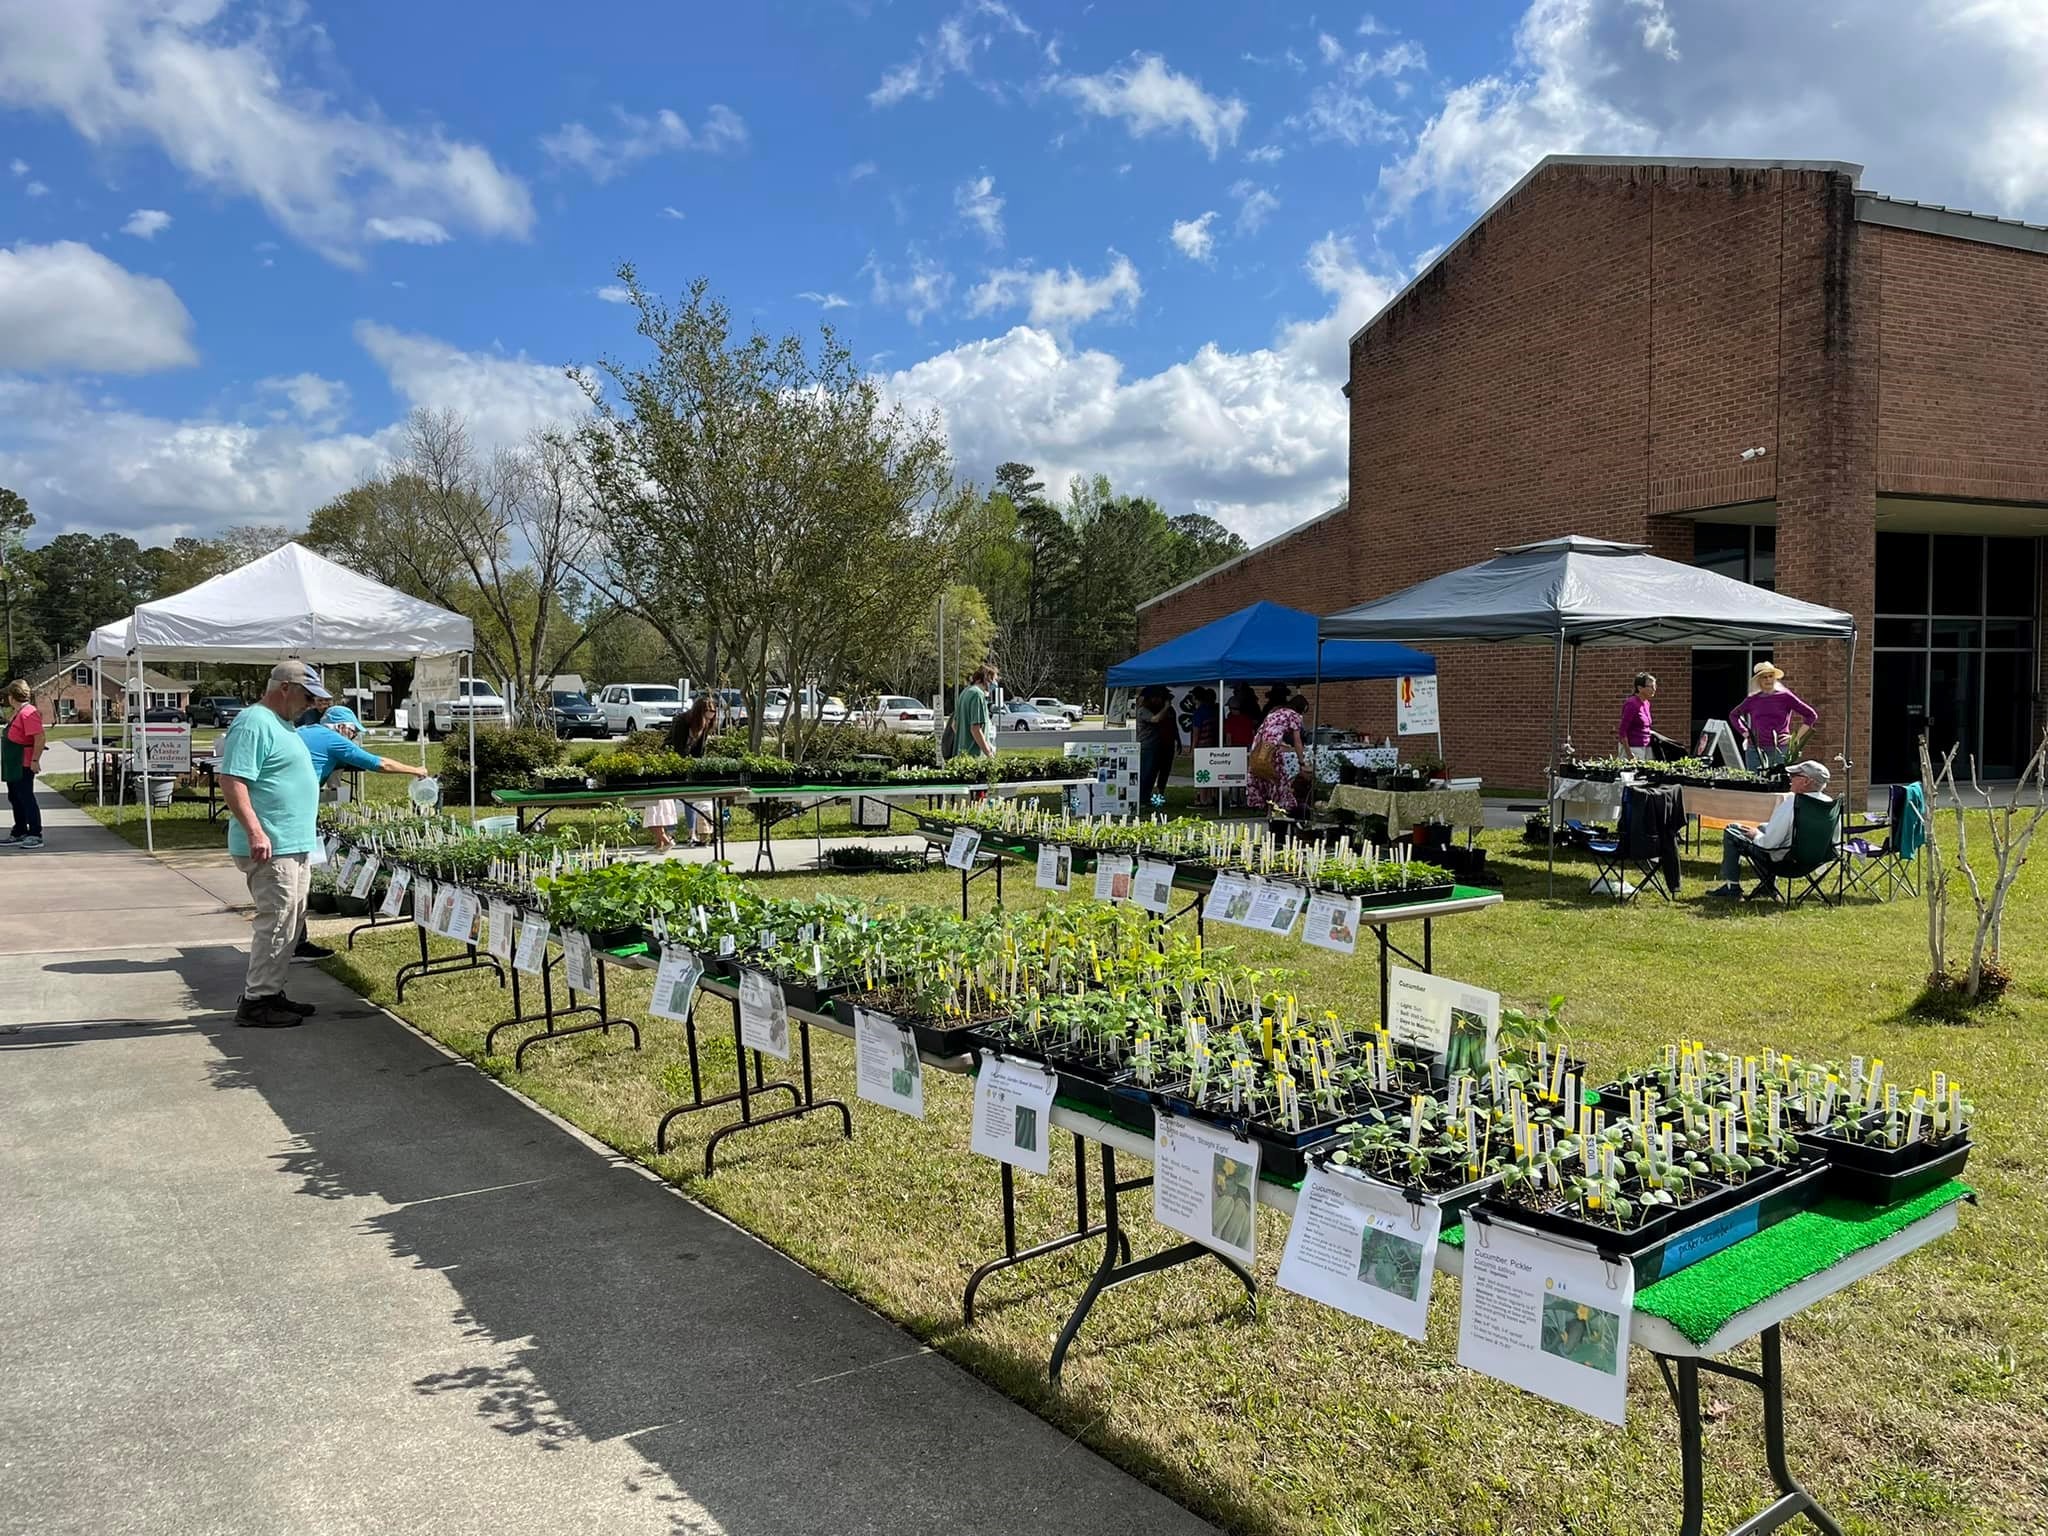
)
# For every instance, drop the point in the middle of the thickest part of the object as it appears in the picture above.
(1047, 706)
(1024, 715)
(896, 712)
(639, 706)
(826, 711)
(473, 696)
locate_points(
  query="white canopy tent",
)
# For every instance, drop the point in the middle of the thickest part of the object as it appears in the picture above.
(290, 603)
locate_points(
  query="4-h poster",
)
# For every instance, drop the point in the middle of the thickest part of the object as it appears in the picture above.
(1113, 766)
(1415, 706)
(1444, 1020)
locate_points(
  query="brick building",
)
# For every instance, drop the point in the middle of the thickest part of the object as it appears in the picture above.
(65, 693)
(1749, 365)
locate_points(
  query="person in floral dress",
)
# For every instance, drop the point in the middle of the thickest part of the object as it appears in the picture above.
(1283, 727)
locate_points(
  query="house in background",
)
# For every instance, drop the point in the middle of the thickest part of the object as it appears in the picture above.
(66, 695)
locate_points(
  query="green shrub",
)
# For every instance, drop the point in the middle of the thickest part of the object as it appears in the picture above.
(506, 757)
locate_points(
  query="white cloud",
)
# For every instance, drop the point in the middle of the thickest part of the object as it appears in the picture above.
(65, 306)
(1151, 98)
(1341, 108)
(1265, 154)
(36, 189)
(18, 166)
(502, 398)
(923, 288)
(1256, 438)
(1060, 299)
(824, 300)
(1940, 102)
(1193, 238)
(638, 138)
(670, 212)
(950, 49)
(217, 100)
(1329, 47)
(319, 403)
(146, 223)
(977, 204)
(409, 230)
(1255, 205)
(612, 293)
(861, 171)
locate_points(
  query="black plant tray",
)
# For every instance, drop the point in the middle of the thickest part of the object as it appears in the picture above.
(1661, 1247)
(322, 903)
(1881, 1175)
(933, 1038)
(1400, 896)
(353, 906)
(1452, 1202)
(1283, 1153)
(808, 996)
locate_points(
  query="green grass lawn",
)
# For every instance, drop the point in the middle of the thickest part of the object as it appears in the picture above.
(1917, 1400)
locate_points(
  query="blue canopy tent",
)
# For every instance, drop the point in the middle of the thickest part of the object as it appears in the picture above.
(1267, 643)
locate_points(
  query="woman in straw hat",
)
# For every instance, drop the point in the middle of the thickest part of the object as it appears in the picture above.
(1763, 721)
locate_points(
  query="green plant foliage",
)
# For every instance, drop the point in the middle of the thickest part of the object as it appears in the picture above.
(506, 757)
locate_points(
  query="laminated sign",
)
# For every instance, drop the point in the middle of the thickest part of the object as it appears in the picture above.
(504, 928)
(965, 845)
(888, 1069)
(675, 984)
(579, 965)
(1055, 868)
(1548, 1317)
(1013, 1112)
(764, 1016)
(1205, 1184)
(1362, 1248)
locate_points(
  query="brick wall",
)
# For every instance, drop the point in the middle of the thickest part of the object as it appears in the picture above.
(1593, 358)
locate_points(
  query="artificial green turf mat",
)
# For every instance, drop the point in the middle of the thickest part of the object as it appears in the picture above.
(1703, 1296)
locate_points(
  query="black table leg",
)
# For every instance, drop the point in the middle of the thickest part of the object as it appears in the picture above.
(549, 1012)
(1111, 1272)
(743, 1095)
(376, 922)
(605, 1021)
(1793, 1500)
(807, 1103)
(430, 964)
(1013, 1256)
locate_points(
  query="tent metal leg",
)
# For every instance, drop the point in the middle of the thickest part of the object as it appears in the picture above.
(1550, 774)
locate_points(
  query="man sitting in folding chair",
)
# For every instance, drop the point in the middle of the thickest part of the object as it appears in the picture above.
(1774, 848)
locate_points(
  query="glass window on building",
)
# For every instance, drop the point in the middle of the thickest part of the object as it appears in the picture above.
(1720, 674)
(1954, 653)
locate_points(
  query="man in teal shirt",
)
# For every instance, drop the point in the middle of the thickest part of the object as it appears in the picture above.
(970, 716)
(272, 794)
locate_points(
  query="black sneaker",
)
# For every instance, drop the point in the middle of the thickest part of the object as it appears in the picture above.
(308, 950)
(303, 1010)
(264, 1013)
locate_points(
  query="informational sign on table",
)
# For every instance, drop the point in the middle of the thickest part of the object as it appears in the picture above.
(1332, 922)
(764, 1016)
(1274, 907)
(675, 983)
(1113, 770)
(1362, 1248)
(579, 963)
(167, 747)
(347, 872)
(1055, 868)
(1415, 706)
(1222, 767)
(1230, 900)
(1112, 877)
(1444, 1020)
(887, 1069)
(532, 954)
(366, 877)
(965, 845)
(1013, 1112)
(1152, 886)
(442, 915)
(455, 914)
(1205, 1185)
(504, 929)
(423, 904)
(394, 893)
(1548, 1317)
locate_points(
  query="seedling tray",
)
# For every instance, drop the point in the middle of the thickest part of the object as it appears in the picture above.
(1879, 1175)
(1452, 1202)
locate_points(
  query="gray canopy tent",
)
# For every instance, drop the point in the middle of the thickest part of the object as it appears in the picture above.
(1573, 592)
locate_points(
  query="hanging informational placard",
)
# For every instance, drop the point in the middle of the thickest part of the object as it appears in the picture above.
(1415, 707)
(1013, 1112)
(1113, 767)
(347, 872)
(1222, 767)
(423, 904)
(365, 877)
(394, 893)
(965, 845)
(675, 983)
(504, 929)
(1547, 1317)
(456, 909)
(1112, 877)
(1362, 1248)
(1205, 1184)
(1055, 868)
(1451, 1024)
(1152, 886)
(1230, 900)
(579, 964)
(1275, 907)
(764, 1017)
(1332, 922)
(532, 954)
(440, 917)
(167, 746)
(870, 813)
(887, 1069)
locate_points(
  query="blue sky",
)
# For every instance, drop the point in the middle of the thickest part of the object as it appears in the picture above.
(240, 238)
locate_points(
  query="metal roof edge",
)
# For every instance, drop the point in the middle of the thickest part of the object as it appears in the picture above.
(1954, 223)
(1257, 549)
(1673, 162)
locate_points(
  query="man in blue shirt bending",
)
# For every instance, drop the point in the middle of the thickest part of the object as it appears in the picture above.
(332, 746)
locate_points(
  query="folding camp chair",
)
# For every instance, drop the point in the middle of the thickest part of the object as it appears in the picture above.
(1802, 870)
(1880, 867)
(1614, 858)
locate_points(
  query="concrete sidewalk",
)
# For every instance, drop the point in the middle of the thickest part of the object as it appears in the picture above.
(331, 1280)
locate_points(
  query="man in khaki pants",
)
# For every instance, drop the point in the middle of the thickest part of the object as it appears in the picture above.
(267, 780)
